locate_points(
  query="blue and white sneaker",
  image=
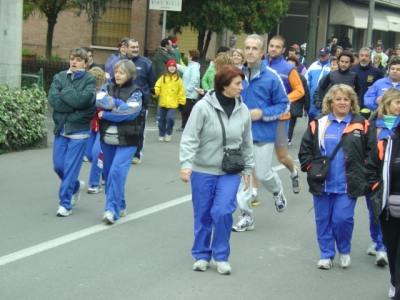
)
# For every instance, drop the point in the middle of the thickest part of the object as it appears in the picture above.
(280, 201)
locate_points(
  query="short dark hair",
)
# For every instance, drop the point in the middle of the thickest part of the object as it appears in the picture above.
(394, 61)
(225, 75)
(279, 38)
(293, 58)
(165, 42)
(347, 53)
(223, 49)
(87, 49)
(195, 54)
(378, 45)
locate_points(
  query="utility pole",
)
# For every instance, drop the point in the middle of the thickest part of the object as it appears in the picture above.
(370, 21)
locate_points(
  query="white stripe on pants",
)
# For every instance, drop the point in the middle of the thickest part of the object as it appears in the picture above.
(266, 175)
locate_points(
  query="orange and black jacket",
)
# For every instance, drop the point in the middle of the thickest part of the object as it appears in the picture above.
(358, 143)
(377, 175)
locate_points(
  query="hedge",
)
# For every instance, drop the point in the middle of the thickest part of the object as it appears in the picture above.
(22, 115)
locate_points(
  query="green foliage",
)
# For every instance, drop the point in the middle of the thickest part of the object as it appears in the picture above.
(239, 16)
(22, 115)
(27, 51)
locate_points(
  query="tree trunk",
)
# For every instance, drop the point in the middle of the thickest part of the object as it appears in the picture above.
(313, 6)
(203, 47)
(51, 21)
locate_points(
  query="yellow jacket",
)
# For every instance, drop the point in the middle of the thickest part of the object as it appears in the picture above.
(171, 92)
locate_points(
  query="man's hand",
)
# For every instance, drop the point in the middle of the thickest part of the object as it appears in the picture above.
(246, 179)
(256, 114)
(185, 175)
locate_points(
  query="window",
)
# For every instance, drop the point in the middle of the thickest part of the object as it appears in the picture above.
(114, 24)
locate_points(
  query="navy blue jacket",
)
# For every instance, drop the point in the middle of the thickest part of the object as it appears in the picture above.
(367, 76)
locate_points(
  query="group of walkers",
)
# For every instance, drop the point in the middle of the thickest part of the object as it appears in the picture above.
(251, 101)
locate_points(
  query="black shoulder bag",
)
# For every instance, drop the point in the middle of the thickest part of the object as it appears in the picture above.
(319, 169)
(232, 160)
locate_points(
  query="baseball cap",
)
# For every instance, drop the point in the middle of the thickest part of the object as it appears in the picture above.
(295, 47)
(324, 51)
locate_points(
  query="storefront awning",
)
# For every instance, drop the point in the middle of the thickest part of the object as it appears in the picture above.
(356, 15)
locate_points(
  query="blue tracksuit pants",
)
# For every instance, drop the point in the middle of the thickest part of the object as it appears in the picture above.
(67, 161)
(334, 218)
(92, 153)
(116, 164)
(374, 229)
(214, 201)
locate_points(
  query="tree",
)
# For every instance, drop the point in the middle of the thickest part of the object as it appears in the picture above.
(313, 6)
(51, 8)
(239, 16)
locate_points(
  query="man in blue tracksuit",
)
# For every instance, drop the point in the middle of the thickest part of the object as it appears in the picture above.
(265, 96)
(315, 72)
(72, 97)
(146, 79)
(374, 95)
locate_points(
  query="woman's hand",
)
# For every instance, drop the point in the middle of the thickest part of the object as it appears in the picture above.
(100, 114)
(199, 91)
(185, 175)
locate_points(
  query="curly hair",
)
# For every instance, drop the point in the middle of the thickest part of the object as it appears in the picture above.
(330, 95)
(223, 59)
(98, 74)
(387, 98)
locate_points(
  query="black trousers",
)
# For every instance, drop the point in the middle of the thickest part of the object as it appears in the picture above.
(186, 110)
(139, 149)
(391, 239)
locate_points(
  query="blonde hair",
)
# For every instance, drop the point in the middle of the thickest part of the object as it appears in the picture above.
(379, 56)
(330, 95)
(387, 98)
(98, 74)
(240, 51)
(223, 59)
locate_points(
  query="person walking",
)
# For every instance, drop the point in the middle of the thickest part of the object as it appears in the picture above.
(340, 132)
(121, 130)
(172, 94)
(383, 123)
(72, 97)
(220, 112)
(382, 173)
(191, 82)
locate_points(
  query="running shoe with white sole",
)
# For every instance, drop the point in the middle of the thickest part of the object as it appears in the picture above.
(381, 258)
(201, 265)
(372, 249)
(280, 201)
(344, 261)
(297, 183)
(63, 212)
(108, 217)
(245, 223)
(77, 196)
(94, 189)
(325, 264)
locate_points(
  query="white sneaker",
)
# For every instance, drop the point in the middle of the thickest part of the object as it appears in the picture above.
(223, 267)
(63, 212)
(245, 223)
(325, 264)
(381, 258)
(161, 139)
(77, 196)
(136, 161)
(280, 201)
(85, 158)
(94, 189)
(167, 138)
(108, 217)
(122, 213)
(201, 265)
(372, 249)
(344, 260)
(392, 291)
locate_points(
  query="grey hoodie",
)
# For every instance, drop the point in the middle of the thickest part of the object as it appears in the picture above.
(201, 144)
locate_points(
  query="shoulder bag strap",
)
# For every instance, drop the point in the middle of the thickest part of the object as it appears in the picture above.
(336, 149)
(223, 128)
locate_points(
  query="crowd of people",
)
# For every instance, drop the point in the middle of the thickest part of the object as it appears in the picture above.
(250, 98)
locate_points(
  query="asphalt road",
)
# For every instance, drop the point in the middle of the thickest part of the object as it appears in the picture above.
(146, 255)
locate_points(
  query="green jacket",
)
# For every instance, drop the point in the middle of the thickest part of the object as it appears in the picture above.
(160, 60)
(73, 102)
(207, 82)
